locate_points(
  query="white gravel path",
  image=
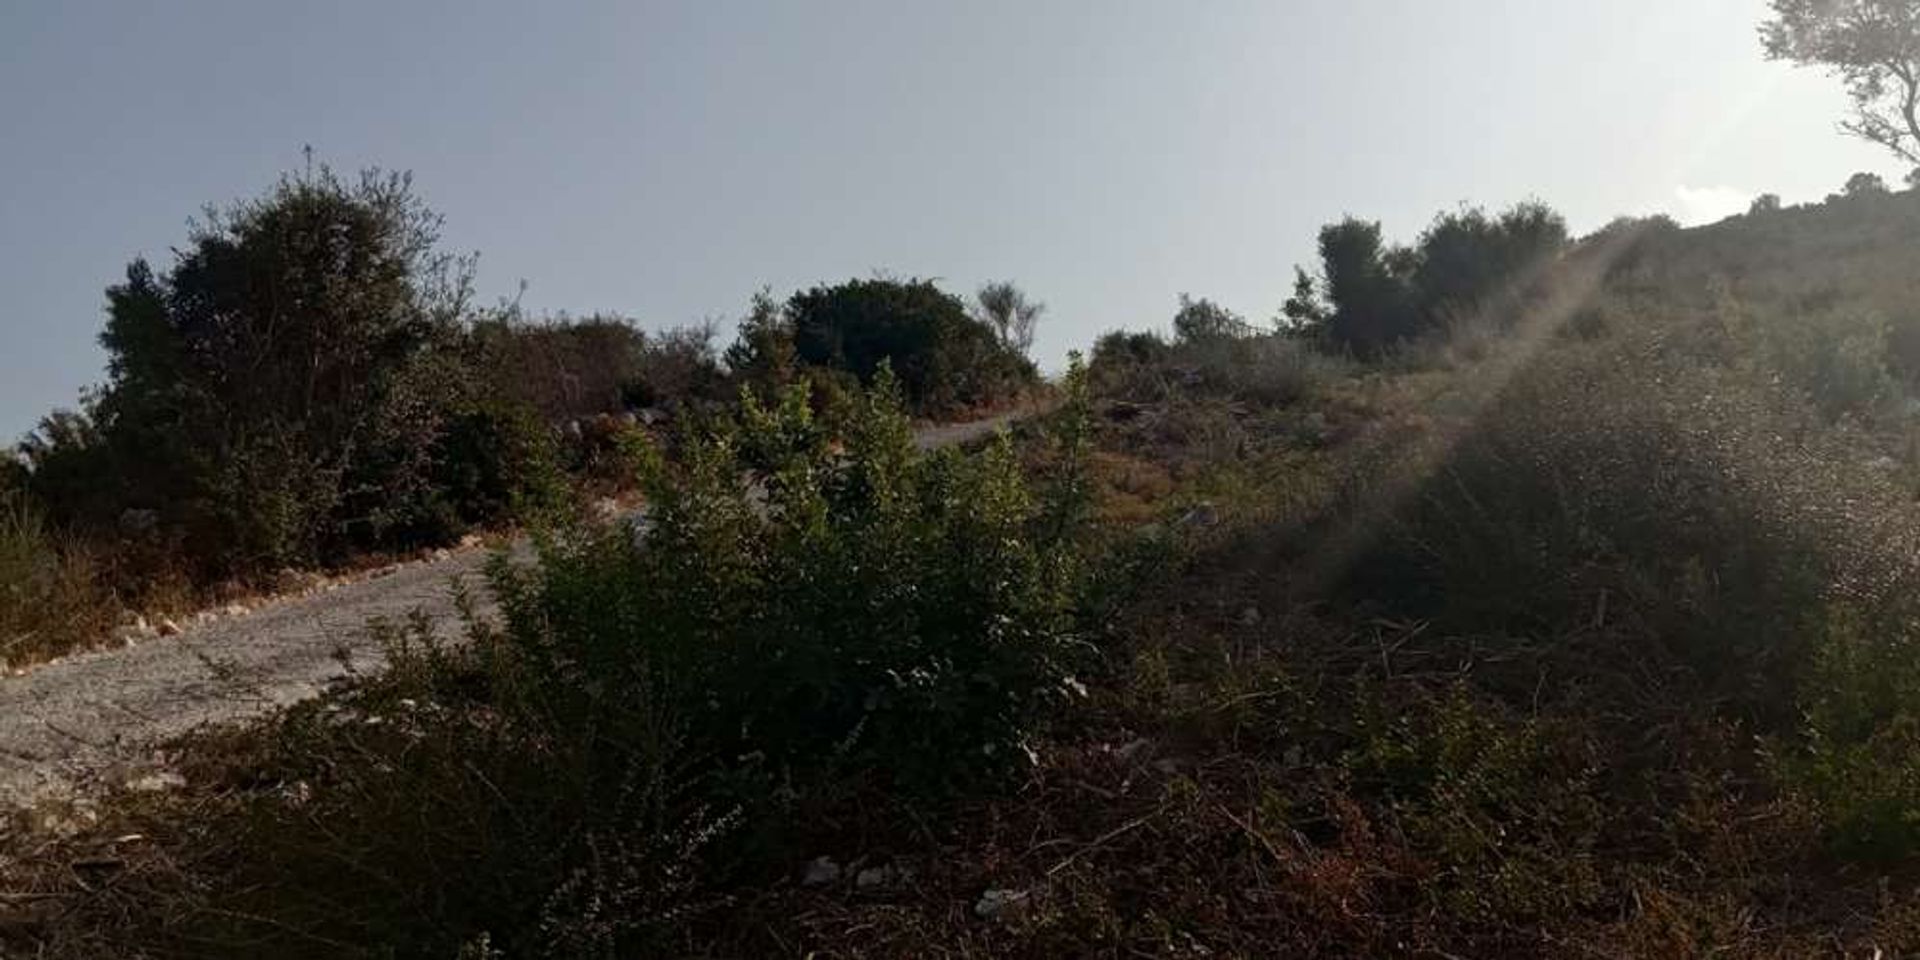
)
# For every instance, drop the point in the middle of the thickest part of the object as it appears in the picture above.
(94, 718)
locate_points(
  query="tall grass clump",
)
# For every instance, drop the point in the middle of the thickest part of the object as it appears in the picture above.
(51, 599)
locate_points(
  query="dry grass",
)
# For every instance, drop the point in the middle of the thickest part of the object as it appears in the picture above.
(53, 597)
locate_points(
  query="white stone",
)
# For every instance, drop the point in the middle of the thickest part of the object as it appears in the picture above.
(994, 903)
(820, 871)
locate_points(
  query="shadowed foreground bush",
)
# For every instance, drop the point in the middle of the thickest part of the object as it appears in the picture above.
(1706, 539)
(798, 629)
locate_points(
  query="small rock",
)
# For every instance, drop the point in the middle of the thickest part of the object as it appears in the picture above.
(236, 610)
(158, 781)
(289, 580)
(820, 871)
(134, 628)
(996, 903)
(168, 628)
(135, 521)
(1128, 751)
(1202, 516)
(62, 819)
(469, 541)
(873, 877)
(1167, 766)
(1186, 694)
(441, 554)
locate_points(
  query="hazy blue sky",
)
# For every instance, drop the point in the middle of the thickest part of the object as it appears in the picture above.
(665, 160)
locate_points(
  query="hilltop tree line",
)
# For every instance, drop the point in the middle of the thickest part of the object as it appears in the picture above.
(310, 379)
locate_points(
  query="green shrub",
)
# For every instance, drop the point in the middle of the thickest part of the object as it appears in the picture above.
(1272, 369)
(1507, 808)
(945, 359)
(664, 716)
(1860, 763)
(1839, 358)
(256, 430)
(792, 613)
(560, 368)
(1678, 507)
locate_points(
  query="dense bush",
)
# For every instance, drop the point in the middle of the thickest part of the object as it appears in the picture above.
(1366, 285)
(1371, 295)
(1213, 352)
(1861, 763)
(1200, 320)
(946, 359)
(1838, 358)
(883, 610)
(1671, 504)
(302, 385)
(283, 363)
(560, 369)
(796, 630)
(1470, 262)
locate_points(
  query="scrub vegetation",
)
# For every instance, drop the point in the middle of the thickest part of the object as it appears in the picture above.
(1508, 595)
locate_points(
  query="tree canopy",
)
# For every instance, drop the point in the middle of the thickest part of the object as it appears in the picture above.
(1012, 315)
(278, 391)
(1871, 45)
(945, 358)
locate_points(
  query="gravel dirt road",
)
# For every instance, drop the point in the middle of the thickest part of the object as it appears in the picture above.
(94, 719)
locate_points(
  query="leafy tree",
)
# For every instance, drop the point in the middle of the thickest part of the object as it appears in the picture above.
(1367, 284)
(1304, 310)
(1200, 320)
(763, 352)
(1864, 185)
(1467, 259)
(1873, 46)
(679, 366)
(275, 392)
(13, 474)
(1763, 204)
(560, 368)
(1006, 309)
(945, 359)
